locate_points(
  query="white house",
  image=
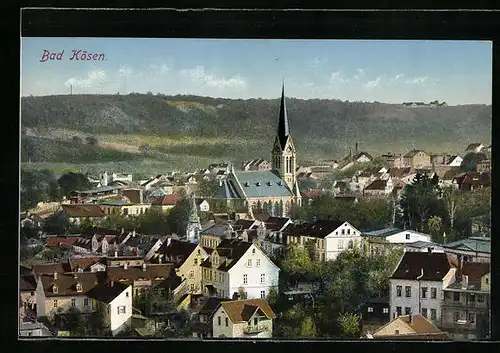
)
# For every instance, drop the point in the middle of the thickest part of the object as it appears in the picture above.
(330, 237)
(115, 301)
(399, 236)
(455, 161)
(417, 283)
(243, 319)
(203, 205)
(236, 266)
(34, 329)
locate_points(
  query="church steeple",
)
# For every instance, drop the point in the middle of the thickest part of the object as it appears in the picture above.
(283, 129)
(193, 227)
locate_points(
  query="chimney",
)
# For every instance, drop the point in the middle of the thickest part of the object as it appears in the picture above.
(116, 253)
(144, 267)
(55, 275)
(168, 241)
(409, 319)
(356, 148)
(133, 233)
(465, 282)
(220, 182)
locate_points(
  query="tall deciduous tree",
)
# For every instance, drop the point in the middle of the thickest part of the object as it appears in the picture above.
(451, 199)
(349, 325)
(73, 181)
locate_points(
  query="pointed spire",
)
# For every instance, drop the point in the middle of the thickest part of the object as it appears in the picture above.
(283, 130)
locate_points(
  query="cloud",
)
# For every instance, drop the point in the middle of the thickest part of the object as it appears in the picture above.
(315, 61)
(417, 80)
(93, 78)
(125, 71)
(360, 73)
(199, 76)
(162, 68)
(397, 77)
(337, 78)
(374, 83)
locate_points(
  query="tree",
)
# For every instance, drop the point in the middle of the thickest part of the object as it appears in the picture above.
(451, 199)
(297, 263)
(272, 296)
(349, 325)
(73, 181)
(92, 140)
(470, 160)
(241, 293)
(77, 140)
(57, 223)
(178, 216)
(307, 328)
(37, 186)
(207, 188)
(434, 227)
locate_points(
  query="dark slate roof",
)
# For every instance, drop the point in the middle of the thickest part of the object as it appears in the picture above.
(132, 273)
(227, 190)
(434, 265)
(244, 223)
(263, 184)
(106, 292)
(283, 128)
(275, 223)
(218, 229)
(238, 310)
(27, 283)
(67, 283)
(378, 184)
(477, 244)
(178, 251)
(318, 229)
(233, 250)
(399, 172)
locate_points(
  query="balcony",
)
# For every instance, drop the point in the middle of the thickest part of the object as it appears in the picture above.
(463, 305)
(255, 329)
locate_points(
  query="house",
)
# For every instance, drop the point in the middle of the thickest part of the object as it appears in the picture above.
(164, 203)
(449, 178)
(203, 309)
(483, 165)
(329, 237)
(257, 164)
(473, 249)
(350, 160)
(417, 159)
(238, 269)
(27, 290)
(454, 161)
(148, 184)
(202, 205)
(114, 300)
(95, 194)
(374, 312)
(398, 235)
(78, 212)
(404, 174)
(473, 180)
(417, 283)
(186, 258)
(409, 327)
(66, 241)
(378, 188)
(243, 319)
(34, 329)
(270, 235)
(124, 206)
(423, 246)
(475, 147)
(466, 303)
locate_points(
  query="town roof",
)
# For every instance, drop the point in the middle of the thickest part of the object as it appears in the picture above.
(245, 223)
(239, 310)
(132, 273)
(476, 244)
(451, 173)
(57, 240)
(107, 292)
(317, 229)
(423, 244)
(256, 184)
(399, 172)
(473, 145)
(232, 249)
(475, 270)
(413, 153)
(83, 210)
(27, 283)
(433, 265)
(312, 193)
(83, 262)
(66, 283)
(217, 229)
(177, 249)
(276, 223)
(100, 189)
(386, 232)
(417, 325)
(50, 269)
(378, 184)
(474, 179)
(115, 203)
(227, 190)
(166, 200)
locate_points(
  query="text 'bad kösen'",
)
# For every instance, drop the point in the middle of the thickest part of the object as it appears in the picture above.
(74, 55)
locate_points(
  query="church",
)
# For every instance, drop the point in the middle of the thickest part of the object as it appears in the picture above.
(275, 191)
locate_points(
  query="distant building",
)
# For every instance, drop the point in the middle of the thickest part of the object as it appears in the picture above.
(257, 164)
(417, 159)
(193, 227)
(473, 249)
(409, 327)
(475, 147)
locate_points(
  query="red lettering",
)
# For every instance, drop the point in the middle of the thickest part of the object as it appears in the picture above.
(45, 56)
(101, 57)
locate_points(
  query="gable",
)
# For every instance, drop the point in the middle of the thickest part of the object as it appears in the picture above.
(241, 263)
(345, 226)
(277, 145)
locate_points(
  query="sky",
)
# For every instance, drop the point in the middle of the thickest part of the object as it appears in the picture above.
(456, 72)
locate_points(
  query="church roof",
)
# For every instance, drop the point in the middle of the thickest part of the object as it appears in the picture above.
(263, 184)
(227, 190)
(283, 129)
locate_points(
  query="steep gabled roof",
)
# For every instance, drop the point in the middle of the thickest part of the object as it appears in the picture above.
(378, 184)
(283, 128)
(318, 229)
(177, 249)
(27, 283)
(416, 327)
(166, 200)
(433, 266)
(233, 250)
(67, 283)
(413, 153)
(238, 310)
(276, 223)
(107, 292)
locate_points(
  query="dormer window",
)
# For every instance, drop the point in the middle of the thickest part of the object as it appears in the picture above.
(246, 183)
(269, 183)
(79, 288)
(258, 183)
(55, 290)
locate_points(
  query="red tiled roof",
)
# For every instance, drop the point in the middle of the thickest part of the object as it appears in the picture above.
(167, 200)
(55, 241)
(84, 210)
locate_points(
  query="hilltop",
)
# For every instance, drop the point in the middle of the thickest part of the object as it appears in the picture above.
(321, 128)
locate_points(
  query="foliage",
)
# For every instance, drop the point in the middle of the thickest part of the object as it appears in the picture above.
(152, 222)
(73, 181)
(178, 215)
(433, 227)
(36, 186)
(349, 325)
(77, 140)
(272, 296)
(92, 140)
(241, 293)
(470, 160)
(297, 263)
(57, 223)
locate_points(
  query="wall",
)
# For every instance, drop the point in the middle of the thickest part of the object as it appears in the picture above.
(117, 321)
(332, 240)
(189, 265)
(65, 303)
(391, 328)
(254, 285)
(222, 330)
(401, 237)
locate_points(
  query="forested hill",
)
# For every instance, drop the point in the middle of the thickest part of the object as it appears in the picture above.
(314, 123)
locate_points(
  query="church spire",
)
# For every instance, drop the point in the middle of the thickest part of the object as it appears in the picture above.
(283, 129)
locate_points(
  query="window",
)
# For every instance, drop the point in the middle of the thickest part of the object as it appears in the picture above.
(456, 296)
(433, 314)
(433, 293)
(456, 316)
(348, 231)
(245, 278)
(55, 303)
(263, 294)
(155, 291)
(407, 310)
(398, 291)
(257, 262)
(73, 302)
(407, 236)
(255, 321)
(86, 301)
(191, 274)
(424, 312)
(126, 294)
(219, 320)
(227, 322)
(121, 309)
(472, 318)
(396, 332)
(196, 261)
(125, 211)
(370, 309)
(253, 251)
(407, 291)
(343, 231)
(54, 289)
(192, 287)
(385, 310)
(424, 292)
(262, 278)
(487, 280)
(351, 244)
(249, 263)
(341, 244)
(480, 298)
(398, 310)
(472, 298)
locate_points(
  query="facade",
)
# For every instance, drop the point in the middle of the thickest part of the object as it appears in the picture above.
(124, 207)
(416, 285)
(379, 188)
(274, 191)
(34, 329)
(410, 327)
(239, 269)
(473, 249)
(466, 303)
(398, 236)
(417, 159)
(330, 237)
(243, 319)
